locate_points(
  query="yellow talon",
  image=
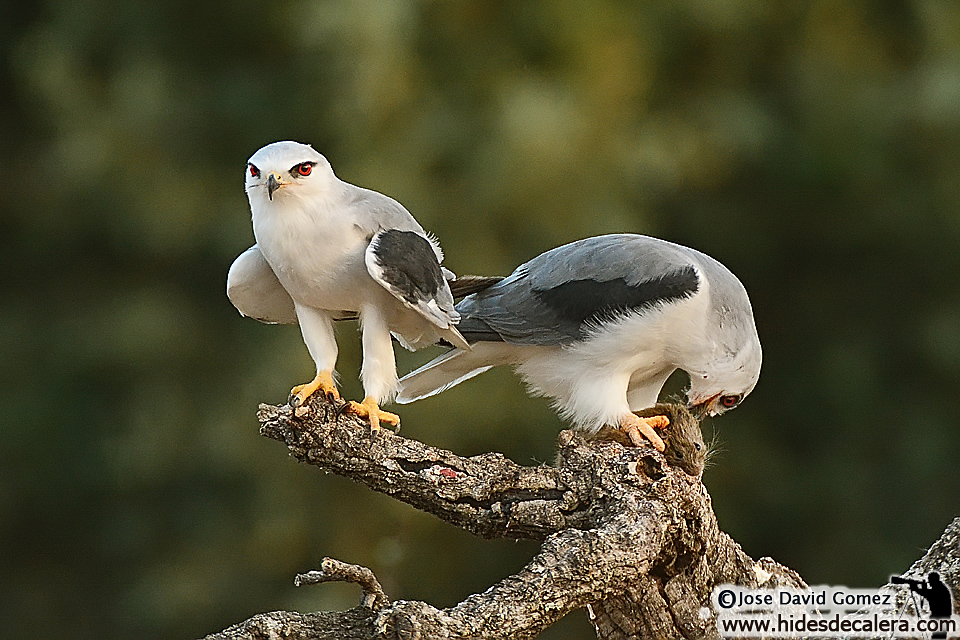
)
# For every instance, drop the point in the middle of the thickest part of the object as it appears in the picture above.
(640, 430)
(323, 382)
(370, 410)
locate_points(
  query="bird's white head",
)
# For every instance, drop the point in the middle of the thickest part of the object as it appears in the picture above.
(727, 377)
(285, 171)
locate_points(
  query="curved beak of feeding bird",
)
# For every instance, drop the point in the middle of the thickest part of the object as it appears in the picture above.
(703, 407)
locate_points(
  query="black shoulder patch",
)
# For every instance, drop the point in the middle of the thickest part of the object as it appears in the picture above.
(408, 264)
(579, 302)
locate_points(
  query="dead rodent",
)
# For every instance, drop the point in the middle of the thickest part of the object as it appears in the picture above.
(683, 439)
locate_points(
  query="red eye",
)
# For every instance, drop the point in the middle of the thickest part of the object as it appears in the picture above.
(305, 168)
(254, 171)
(730, 401)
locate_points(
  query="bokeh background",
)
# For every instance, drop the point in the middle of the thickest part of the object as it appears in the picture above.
(812, 146)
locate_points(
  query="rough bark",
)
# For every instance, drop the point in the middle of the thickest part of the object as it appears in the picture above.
(624, 533)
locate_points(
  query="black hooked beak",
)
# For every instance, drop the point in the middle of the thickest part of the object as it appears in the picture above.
(272, 185)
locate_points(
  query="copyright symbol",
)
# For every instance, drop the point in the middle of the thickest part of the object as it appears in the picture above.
(726, 598)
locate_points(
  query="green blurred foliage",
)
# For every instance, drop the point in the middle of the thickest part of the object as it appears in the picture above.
(811, 146)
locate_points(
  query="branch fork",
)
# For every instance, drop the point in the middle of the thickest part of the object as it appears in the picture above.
(332, 570)
(628, 533)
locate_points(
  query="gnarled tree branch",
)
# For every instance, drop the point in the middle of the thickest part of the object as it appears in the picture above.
(624, 533)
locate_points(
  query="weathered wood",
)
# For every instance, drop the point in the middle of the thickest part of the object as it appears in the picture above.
(628, 533)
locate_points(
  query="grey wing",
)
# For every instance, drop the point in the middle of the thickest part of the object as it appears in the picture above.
(373, 211)
(406, 264)
(255, 291)
(557, 297)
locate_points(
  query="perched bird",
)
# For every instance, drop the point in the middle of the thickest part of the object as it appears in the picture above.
(329, 250)
(599, 325)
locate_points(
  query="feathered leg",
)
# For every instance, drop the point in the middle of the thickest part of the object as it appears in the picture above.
(379, 369)
(317, 329)
(595, 398)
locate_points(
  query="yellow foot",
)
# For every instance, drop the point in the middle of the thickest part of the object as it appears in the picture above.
(640, 430)
(370, 410)
(323, 383)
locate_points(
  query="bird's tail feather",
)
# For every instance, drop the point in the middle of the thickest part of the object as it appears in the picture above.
(457, 340)
(443, 372)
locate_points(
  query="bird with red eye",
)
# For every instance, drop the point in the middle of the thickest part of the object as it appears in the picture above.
(729, 402)
(254, 172)
(302, 169)
(311, 228)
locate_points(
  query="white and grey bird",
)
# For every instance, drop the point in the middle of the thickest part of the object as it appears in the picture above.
(328, 250)
(599, 325)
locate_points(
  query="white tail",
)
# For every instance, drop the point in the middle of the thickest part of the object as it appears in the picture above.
(451, 369)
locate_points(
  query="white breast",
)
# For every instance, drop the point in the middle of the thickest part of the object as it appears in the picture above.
(318, 255)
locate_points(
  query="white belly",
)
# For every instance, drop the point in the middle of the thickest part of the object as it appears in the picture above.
(596, 381)
(319, 263)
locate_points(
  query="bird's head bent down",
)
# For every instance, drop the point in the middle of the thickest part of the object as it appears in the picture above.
(727, 380)
(287, 170)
